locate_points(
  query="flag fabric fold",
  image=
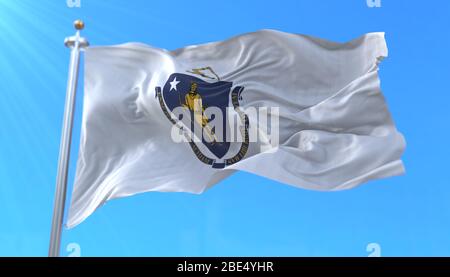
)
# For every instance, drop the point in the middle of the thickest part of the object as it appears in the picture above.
(331, 123)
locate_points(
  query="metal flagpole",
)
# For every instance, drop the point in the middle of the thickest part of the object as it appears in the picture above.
(76, 44)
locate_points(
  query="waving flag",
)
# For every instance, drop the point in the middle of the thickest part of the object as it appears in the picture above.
(292, 108)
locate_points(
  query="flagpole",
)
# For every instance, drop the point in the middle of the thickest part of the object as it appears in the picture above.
(76, 44)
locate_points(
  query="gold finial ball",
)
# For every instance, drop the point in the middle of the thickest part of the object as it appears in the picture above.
(78, 24)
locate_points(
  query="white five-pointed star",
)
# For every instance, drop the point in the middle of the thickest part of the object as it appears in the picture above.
(173, 84)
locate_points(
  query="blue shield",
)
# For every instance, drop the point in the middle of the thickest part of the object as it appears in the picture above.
(216, 94)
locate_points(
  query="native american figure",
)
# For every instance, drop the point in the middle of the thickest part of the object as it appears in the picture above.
(193, 102)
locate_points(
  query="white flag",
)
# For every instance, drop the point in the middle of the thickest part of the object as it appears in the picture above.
(292, 108)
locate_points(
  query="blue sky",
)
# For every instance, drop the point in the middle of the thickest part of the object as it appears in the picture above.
(244, 215)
